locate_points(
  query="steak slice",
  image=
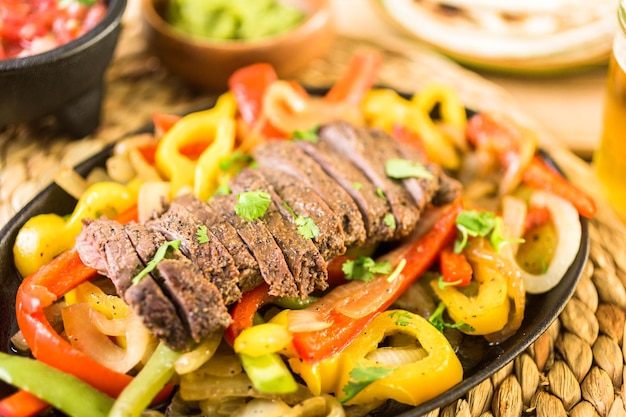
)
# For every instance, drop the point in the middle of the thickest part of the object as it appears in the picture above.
(198, 302)
(306, 202)
(370, 155)
(249, 273)
(287, 157)
(304, 260)
(261, 244)
(104, 245)
(371, 202)
(211, 257)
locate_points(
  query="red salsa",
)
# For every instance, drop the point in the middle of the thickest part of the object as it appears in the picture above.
(29, 27)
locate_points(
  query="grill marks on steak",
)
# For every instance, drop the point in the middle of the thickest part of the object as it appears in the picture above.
(289, 158)
(304, 260)
(339, 182)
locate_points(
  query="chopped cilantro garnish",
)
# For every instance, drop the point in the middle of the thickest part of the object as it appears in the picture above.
(308, 135)
(436, 319)
(364, 268)
(390, 221)
(357, 185)
(202, 234)
(361, 377)
(403, 168)
(236, 159)
(380, 193)
(443, 284)
(402, 318)
(158, 257)
(480, 224)
(252, 204)
(306, 226)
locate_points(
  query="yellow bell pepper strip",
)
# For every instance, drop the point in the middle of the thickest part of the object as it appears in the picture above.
(418, 255)
(147, 384)
(204, 127)
(364, 373)
(61, 390)
(441, 149)
(47, 235)
(487, 311)
(111, 306)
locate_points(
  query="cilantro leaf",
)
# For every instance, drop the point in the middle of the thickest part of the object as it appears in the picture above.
(357, 185)
(437, 320)
(480, 224)
(403, 168)
(390, 221)
(307, 227)
(381, 193)
(202, 234)
(403, 318)
(361, 377)
(252, 204)
(308, 135)
(363, 268)
(497, 240)
(158, 257)
(236, 160)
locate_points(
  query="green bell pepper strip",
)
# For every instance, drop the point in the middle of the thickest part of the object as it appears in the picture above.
(269, 373)
(137, 395)
(64, 391)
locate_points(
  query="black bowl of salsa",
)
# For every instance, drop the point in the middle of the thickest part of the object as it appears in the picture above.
(66, 81)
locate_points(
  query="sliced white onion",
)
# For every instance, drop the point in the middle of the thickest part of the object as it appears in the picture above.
(83, 335)
(305, 321)
(569, 232)
(150, 199)
(397, 356)
(514, 220)
(192, 360)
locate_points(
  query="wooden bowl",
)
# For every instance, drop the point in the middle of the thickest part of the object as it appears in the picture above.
(208, 64)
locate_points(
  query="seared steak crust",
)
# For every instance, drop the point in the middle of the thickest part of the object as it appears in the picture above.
(261, 243)
(304, 260)
(287, 157)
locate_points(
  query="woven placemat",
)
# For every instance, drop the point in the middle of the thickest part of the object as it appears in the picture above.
(576, 368)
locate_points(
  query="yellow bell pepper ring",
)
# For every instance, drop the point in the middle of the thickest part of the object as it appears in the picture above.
(47, 235)
(198, 127)
(413, 382)
(487, 311)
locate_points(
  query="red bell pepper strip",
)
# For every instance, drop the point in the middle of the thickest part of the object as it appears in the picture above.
(404, 135)
(536, 216)
(455, 267)
(357, 79)
(540, 175)
(243, 311)
(163, 122)
(248, 86)
(313, 346)
(22, 404)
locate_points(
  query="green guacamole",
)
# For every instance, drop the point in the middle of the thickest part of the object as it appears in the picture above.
(233, 19)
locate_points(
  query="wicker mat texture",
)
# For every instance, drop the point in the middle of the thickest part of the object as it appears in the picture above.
(576, 368)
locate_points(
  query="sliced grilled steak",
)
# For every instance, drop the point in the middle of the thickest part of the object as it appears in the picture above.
(287, 157)
(249, 273)
(261, 244)
(305, 202)
(198, 302)
(421, 189)
(215, 262)
(104, 245)
(305, 262)
(371, 202)
(370, 155)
